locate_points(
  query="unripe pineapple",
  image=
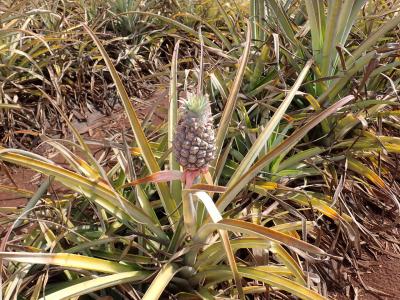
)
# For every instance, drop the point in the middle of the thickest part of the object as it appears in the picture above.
(194, 145)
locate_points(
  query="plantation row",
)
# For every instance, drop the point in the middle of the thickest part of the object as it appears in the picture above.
(278, 150)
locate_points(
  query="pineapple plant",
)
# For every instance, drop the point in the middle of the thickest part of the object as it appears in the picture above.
(194, 141)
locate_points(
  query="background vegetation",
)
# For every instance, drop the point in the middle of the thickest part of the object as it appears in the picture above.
(305, 95)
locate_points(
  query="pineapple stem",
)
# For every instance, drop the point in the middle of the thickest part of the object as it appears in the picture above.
(191, 177)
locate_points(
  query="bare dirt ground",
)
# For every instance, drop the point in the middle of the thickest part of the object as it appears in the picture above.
(383, 275)
(377, 277)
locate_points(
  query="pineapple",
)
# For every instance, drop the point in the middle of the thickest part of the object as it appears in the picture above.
(193, 143)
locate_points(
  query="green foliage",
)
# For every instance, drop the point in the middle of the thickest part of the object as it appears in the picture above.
(305, 98)
(196, 104)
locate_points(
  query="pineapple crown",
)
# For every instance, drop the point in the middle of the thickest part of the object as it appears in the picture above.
(197, 104)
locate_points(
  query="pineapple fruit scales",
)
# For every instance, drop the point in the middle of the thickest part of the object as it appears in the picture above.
(194, 140)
